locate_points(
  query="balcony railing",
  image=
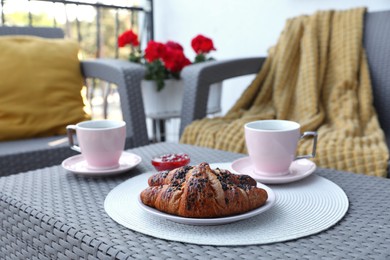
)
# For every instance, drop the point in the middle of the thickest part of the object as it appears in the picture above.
(96, 26)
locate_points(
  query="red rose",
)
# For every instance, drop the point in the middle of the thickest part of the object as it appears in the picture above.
(128, 37)
(174, 45)
(202, 44)
(154, 50)
(175, 60)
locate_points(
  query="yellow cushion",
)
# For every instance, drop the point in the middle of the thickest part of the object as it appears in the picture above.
(40, 84)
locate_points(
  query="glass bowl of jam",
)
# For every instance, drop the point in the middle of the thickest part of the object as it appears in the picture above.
(170, 161)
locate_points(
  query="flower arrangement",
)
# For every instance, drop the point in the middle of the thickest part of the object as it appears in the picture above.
(164, 60)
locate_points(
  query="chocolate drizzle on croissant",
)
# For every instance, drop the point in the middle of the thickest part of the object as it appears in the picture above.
(199, 192)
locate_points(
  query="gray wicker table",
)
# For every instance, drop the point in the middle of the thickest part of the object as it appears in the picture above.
(52, 214)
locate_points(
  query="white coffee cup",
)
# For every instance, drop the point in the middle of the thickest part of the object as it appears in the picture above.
(272, 145)
(101, 142)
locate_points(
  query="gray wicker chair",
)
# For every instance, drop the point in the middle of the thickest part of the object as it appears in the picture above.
(197, 78)
(23, 155)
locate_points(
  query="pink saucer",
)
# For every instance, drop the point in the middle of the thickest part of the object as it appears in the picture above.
(78, 165)
(299, 169)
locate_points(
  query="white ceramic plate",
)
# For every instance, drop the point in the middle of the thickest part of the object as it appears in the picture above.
(213, 221)
(78, 165)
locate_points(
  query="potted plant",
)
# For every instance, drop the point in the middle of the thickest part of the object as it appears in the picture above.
(162, 88)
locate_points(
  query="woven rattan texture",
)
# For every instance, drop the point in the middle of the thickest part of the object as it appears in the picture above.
(27, 160)
(37, 31)
(377, 44)
(52, 214)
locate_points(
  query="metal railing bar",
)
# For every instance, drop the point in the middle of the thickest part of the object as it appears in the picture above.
(68, 27)
(78, 29)
(98, 32)
(132, 18)
(30, 18)
(2, 12)
(150, 27)
(106, 93)
(132, 8)
(54, 17)
(116, 33)
(141, 27)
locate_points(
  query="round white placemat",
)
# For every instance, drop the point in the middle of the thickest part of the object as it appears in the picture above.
(302, 208)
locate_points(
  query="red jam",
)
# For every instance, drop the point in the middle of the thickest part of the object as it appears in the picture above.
(170, 161)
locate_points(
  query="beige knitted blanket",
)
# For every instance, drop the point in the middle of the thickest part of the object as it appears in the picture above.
(317, 74)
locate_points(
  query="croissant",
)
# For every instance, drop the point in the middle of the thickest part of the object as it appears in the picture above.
(200, 192)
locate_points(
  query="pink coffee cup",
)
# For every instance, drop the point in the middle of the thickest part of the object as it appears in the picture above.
(272, 145)
(101, 142)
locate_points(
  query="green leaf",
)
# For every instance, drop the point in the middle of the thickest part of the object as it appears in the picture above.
(134, 58)
(200, 58)
(157, 72)
(160, 84)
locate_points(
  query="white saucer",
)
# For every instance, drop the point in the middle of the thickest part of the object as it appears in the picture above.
(78, 165)
(212, 221)
(299, 169)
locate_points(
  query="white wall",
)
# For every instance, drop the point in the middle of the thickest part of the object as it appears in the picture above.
(239, 28)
